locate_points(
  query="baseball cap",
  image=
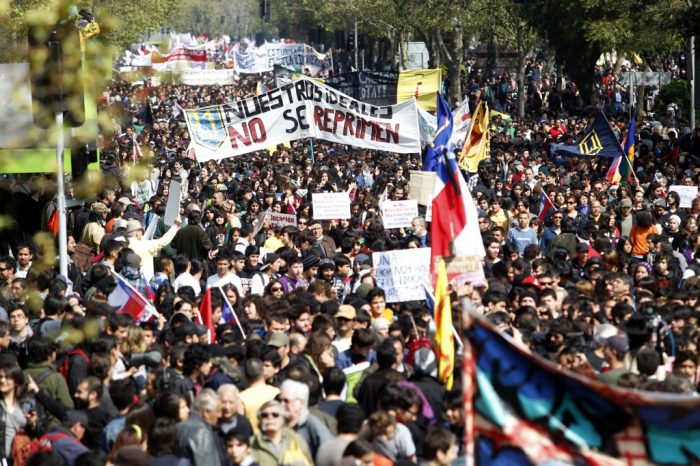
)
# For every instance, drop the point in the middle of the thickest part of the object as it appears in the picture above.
(269, 259)
(346, 311)
(619, 343)
(626, 203)
(75, 416)
(125, 200)
(278, 340)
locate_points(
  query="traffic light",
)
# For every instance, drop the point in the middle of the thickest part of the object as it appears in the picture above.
(55, 67)
(683, 65)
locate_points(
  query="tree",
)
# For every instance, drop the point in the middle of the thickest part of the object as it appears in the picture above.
(579, 31)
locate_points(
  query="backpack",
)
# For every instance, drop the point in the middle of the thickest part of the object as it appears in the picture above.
(83, 256)
(64, 369)
(23, 446)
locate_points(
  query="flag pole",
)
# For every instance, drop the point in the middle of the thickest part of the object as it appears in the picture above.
(238, 321)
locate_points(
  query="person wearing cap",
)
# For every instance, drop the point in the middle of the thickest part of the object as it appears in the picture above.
(65, 439)
(625, 217)
(324, 245)
(94, 229)
(346, 319)
(269, 270)
(615, 349)
(147, 249)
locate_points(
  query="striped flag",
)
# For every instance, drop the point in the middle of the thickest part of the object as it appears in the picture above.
(547, 208)
(443, 341)
(130, 301)
(621, 168)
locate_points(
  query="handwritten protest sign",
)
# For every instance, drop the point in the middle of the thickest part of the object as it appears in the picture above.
(172, 207)
(278, 218)
(403, 273)
(328, 206)
(686, 194)
(421, 187)
(399, 214)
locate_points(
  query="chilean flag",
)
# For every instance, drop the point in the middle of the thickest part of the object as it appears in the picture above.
(546, 208)
(454, 228)
(206, 313)
(130, 301)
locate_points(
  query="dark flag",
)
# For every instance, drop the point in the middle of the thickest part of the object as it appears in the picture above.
(600, 141)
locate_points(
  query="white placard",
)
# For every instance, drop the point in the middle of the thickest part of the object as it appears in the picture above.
(421, 187)
(277, 218)
(301, 109)
(686, 194)
(329, 206)
(403, 273)
(399, 214)
(172, 207)
(148, 234)
(206, 77)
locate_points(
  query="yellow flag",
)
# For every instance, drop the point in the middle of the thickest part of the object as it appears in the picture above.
(444, 337)
(424, 85)
(476, 145)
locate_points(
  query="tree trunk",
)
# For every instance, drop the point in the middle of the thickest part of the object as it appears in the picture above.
(522, 96)
(392, 51)
(454, 66)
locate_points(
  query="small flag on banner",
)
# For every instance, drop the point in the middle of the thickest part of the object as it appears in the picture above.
(130, 301)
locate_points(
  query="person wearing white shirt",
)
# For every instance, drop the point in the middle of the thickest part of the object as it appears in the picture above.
(224, 276)
(186, 276)
(269, 270)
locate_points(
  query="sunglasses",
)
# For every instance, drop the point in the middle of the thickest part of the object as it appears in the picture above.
(276, 288)
(269, 415)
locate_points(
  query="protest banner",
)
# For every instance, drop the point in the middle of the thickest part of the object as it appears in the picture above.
(277, 218)
(399, 214)
(403, 273)
(421, 187)
(172, 206)
(301, 109)
(521, 409)
(686, 194)
(206, 77)
(329, 206)
(254, 60)
(465, 269)
(378, 88)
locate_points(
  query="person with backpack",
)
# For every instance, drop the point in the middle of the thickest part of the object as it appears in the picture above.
(42, 369)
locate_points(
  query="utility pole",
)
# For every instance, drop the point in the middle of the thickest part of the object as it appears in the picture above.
(355, 32)
(691, 72)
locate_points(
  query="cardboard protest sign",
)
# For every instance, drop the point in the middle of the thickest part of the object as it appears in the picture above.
(329, 206)
(686, 193)
(403, 273)
(399, 214)
(172, 206)
(301, 109)
(277, 218)
(421, 187)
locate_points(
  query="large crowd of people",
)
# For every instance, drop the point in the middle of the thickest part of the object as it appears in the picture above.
(308, 364)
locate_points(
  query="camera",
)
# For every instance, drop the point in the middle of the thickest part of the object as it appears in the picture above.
(150, 359)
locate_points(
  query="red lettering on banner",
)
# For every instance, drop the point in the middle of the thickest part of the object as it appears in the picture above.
(339, 118)
(347, 128)
(257, 130)
(253, 132)
(318, 113)
(361, 128)
(327, 117)
(376, 134)
(392, 135)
